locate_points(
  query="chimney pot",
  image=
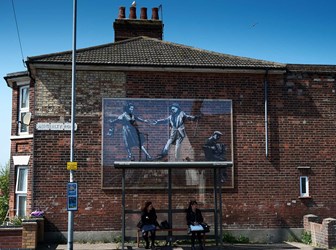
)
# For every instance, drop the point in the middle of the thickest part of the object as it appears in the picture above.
(143, 14)
(155, 13)
(121, 12)
(132, 14)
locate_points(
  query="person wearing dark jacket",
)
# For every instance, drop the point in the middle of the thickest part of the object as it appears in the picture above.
(194, 217)
(149, 223)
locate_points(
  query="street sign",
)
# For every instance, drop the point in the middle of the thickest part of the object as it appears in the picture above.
(72, 196)
(71, 165)
(56, 126)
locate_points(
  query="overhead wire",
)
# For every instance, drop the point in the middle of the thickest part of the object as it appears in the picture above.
(18, 33)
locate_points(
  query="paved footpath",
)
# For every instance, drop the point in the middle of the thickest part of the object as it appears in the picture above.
(116, 246)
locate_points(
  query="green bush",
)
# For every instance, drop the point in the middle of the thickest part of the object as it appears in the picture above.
(229, 238)
(243, 239)
(4, 191)
(306, 238)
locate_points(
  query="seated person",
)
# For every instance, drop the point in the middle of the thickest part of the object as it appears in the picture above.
(194, 217)
(149, 223)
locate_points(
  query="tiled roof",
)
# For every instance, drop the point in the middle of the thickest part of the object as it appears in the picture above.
(313, 68)
(150, 52)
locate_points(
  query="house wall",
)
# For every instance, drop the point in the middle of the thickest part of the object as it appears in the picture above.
(20, 146)
(266, 189)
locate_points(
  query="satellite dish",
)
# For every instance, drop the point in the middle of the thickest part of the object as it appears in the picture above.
(26, 119)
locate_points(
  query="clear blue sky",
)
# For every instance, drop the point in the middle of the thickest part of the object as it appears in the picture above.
(286, 31)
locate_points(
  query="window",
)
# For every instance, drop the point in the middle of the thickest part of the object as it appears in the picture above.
(23, 108)
(21, 191)
(304, 186)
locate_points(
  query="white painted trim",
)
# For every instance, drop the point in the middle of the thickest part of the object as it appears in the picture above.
(21, 160)
(20, 137)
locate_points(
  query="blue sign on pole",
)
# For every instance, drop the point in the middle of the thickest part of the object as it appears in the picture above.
(72, 196)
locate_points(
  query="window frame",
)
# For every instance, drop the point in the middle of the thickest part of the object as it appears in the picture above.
(304, 184)
(23, 110)
(21, 211)
(21, 191)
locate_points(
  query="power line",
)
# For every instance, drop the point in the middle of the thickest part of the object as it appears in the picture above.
(18, 33)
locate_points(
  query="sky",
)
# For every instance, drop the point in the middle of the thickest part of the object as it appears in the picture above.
(285, 31)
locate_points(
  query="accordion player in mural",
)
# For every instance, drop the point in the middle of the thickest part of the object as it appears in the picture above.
(214, 150)
(132, 137)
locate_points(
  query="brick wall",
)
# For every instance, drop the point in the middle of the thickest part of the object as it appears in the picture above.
(323, 233)
(266, 189)
(29, 235)
(25, 237)
(10, 238)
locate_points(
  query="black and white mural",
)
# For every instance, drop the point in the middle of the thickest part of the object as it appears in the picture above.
(166, 130)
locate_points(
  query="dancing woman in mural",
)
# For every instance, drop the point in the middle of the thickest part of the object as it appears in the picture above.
(130, 132)
(177, 129)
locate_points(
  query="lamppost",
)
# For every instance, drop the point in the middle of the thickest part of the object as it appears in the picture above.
(73, 115)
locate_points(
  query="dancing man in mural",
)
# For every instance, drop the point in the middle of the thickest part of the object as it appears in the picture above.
(130, 132)
(177, 129)
(215, 151)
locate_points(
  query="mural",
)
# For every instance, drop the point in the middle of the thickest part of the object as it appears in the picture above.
(166, 130)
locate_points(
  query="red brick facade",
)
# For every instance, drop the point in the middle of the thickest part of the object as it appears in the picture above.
(266, 189)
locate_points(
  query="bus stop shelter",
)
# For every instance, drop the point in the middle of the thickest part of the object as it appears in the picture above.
(217, 188)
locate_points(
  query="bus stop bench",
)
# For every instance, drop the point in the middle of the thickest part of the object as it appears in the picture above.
(165, 230)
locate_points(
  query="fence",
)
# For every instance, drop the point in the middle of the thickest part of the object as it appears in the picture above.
(323, 232)
(26, 236)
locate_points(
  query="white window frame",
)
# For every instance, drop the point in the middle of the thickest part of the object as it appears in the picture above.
(304, 186)
(23, 110)
(21, 190)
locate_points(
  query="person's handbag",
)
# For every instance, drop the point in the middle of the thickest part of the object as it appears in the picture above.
(146, 228)
(196, 228)
(206, 227)
(165, 224)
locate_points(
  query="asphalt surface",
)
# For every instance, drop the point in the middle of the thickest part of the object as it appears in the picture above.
(117, 246)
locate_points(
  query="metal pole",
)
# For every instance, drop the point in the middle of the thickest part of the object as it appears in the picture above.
(220, 209)
(123, 203)
(170, 213)
(73, 115)
(266, 112)
(216, 203)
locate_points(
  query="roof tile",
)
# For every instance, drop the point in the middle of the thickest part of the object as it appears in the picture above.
(151, 52)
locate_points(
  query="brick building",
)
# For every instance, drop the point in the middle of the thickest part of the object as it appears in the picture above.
(277, 122)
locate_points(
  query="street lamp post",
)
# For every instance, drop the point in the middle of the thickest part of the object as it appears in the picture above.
(73, 115)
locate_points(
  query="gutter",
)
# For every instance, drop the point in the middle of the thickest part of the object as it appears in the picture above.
(266, 111)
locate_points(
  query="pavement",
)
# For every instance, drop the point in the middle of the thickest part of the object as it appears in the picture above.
(117, 246)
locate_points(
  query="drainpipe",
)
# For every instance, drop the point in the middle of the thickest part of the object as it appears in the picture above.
(266, 111)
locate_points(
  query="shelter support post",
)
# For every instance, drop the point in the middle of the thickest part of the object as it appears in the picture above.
(123, 210)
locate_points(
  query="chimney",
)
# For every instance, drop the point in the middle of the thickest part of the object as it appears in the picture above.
(132, 14)
(126, 28)
(143, 13)
(155, 14)
(121, 13)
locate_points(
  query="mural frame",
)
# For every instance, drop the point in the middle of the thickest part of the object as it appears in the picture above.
(131, 137)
